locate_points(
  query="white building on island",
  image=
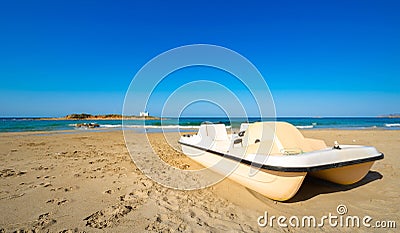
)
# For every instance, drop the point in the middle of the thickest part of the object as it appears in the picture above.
(144, 114)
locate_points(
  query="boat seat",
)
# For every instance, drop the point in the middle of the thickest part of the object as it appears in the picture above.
(244, 126)
(290, 137)
(278, 138)
(259, 138)
(215, 132)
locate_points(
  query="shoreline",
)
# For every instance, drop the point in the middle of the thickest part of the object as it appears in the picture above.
(66, 123)
(99, 130)
(185, 129)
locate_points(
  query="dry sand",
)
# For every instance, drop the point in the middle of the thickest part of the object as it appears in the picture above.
(86, 182)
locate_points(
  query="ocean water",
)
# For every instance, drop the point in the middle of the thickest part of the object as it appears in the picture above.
(190, 124)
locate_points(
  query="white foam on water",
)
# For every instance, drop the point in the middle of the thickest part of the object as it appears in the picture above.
(110, 126)
(304, 126)
(393, 125)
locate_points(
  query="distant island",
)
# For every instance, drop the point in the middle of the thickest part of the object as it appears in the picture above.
(85, 116)
(394, 115)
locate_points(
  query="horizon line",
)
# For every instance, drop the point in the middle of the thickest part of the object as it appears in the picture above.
(376, 116)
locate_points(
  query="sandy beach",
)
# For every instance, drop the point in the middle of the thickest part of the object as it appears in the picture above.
(86, 182)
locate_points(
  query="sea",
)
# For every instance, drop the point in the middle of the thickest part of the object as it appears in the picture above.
(15, 124)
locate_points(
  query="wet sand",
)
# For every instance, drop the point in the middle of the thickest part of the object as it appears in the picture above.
(87, 182)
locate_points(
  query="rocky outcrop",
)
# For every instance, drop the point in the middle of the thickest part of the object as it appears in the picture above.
(78, 116)
(87, 125)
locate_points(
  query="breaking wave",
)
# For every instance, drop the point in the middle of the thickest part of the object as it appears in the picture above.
(304, 126)
(393, 125)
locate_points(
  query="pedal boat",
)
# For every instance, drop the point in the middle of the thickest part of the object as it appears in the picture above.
(273, 158)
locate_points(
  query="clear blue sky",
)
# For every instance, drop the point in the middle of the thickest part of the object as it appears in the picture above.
(319, 58)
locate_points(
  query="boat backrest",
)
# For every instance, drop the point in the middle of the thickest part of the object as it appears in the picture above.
(258, 138)
(216, 132)
(291, 138)
(258, 131)
(244, 126)
(277, 138)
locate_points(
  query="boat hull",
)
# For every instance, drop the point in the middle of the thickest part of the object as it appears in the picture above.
(273, 158)
(276, 185)
(344, 175)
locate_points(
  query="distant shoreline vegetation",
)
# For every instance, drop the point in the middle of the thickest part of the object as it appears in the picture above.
(85, 116)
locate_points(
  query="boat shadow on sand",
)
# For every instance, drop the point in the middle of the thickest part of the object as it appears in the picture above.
(312, 187)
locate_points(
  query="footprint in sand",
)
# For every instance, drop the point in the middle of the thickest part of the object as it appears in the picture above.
(107, 217)
(9, 172)
(58, 201)
(46, 184)
(168, 221)
(111, 216)
(110, 191)
(40, 224)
